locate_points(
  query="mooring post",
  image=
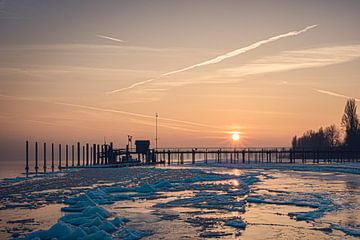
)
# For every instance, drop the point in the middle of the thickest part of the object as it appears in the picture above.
(36, 158)
(27, 158)
(66, 156)
(52, 158)
(72, 155)
(59, 157)
(169, 157)
(83, 156)
(44, 167)
(98, 154)
(94, 154)
(87, 154)
(78, 153)
(91, 155)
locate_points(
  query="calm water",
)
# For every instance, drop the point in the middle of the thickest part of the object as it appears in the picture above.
(10, 169)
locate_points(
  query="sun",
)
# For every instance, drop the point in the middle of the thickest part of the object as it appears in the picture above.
(235, 136)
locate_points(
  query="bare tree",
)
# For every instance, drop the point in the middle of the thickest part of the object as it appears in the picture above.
(332, 135)
(350, 122)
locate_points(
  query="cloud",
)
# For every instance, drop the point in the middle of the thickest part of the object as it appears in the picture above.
(221, 57)
(334, 94)
(110, 38)
(167, 122)
(292, 60)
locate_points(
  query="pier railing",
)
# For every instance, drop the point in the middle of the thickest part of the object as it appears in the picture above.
(65, 156)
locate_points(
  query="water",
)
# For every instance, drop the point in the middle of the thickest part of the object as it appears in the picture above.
(264, 221)
(11, 169)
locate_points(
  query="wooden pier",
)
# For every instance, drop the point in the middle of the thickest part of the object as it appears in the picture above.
(105, 155)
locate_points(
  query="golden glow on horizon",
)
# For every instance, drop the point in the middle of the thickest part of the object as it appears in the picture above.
(235, 136)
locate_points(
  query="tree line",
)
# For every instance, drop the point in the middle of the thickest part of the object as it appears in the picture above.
(329, 138)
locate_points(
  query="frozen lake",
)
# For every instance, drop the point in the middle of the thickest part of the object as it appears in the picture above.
(192, 202)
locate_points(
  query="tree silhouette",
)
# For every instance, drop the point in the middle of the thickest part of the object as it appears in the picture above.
(329, 138)
(350, 122)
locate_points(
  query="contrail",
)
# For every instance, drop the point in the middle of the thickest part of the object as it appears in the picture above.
(221, 57)
(110, 38)
(111, 111)
(336, 94)
(134, 114)
(131, 86)
(241, 50)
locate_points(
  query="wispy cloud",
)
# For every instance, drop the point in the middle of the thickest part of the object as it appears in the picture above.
(334, 94)
(292, 60)
(220, 58)
(110, 38)
(167, 122)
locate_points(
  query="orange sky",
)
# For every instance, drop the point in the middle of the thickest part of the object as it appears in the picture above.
(84, 72)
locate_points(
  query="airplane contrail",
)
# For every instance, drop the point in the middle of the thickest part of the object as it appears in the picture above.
(135, 114)
(131, 86)
(110, 38)
(221, 57)
(241, 50)
(334, 94)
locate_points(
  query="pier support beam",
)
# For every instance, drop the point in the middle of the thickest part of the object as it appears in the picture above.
(44, 167)
(36, 158)
(52, 157)
(59, 157)
(27, 158)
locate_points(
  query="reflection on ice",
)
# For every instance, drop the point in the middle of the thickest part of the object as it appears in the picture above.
(172, 203)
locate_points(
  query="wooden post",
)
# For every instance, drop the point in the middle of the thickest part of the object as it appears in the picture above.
(60, 157)
(94, 154)
(243, 155)
(67, 155)
(52, 157)
(270, 153)
(98, 154)
(102, 154)
(87, 154)
(193, 156)
(44, 158)
(169, 157)
(78, 153)
(72, 155)
(36, 158)
(91, 155)
(83, 155)
(27, 158)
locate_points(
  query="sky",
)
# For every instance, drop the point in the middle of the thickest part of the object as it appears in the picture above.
(93, 70)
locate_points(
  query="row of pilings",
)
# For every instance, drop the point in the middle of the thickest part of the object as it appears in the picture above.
(63, 156)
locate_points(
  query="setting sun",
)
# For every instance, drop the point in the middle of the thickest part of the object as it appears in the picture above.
(235, 136)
